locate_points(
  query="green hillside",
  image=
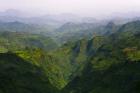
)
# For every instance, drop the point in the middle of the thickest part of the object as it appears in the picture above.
(13, 41)
(19, 76)
(114, 66)
(106, 63)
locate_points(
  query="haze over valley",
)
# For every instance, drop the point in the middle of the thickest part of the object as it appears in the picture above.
(69, 46)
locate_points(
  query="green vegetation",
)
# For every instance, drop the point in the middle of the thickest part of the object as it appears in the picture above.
(109, 62)
(114, 67)
(19, 76)
(13, 41)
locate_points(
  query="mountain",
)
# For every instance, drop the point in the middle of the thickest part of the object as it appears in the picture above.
(14, 41)
(67, 32)
(16, 27)
(19, 76)
(53, 21)
(113, 64)
(91, 58)
(76, 31)
(12, 15)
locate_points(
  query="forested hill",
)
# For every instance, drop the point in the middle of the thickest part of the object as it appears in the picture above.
(106, 63)
(19, 76)
(114, 67)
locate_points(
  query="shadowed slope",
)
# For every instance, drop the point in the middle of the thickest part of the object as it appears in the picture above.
(19, 76)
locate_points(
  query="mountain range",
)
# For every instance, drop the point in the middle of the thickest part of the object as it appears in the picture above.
(57, 54)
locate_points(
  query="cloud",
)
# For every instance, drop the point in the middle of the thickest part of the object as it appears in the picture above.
(80, 7)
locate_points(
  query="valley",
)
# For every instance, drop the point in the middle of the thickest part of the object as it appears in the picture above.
(73, 58)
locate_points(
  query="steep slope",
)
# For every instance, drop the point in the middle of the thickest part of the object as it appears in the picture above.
(77, 31)
(108, 62)
(37, 50)
(67, 62)
(64, 64)
(60, 65)
(113, 66)
(19, 76)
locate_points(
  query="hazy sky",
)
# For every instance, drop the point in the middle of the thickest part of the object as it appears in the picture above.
(80, 7)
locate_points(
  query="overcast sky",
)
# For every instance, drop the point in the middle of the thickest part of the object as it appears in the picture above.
(79, 7)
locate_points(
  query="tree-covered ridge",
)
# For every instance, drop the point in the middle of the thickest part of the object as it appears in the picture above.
(114, 67)
(59, 65)
(19, 76)
(107, 62)
(13, 41)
